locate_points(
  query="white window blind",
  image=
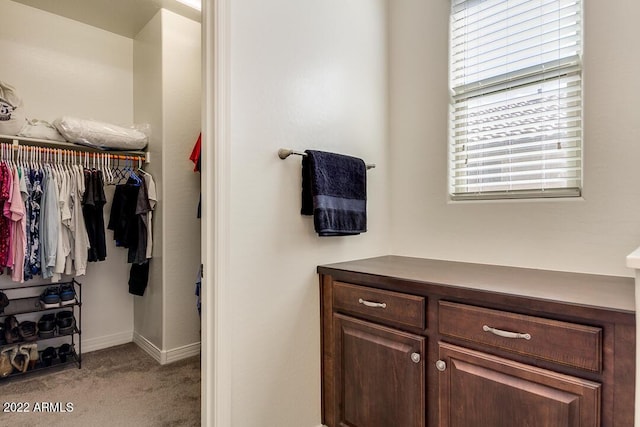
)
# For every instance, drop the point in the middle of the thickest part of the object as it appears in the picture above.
(516, 98)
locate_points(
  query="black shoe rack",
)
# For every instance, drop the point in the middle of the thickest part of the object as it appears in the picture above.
(25, 305)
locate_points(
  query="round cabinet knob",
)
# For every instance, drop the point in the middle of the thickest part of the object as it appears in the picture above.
(415, 357)
(441, 365)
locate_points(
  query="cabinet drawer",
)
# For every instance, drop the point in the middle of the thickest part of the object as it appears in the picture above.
(561, 342)
(393, 307)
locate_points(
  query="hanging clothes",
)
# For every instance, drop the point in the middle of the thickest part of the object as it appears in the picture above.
(52, 213)
(50, 223)
(139, 273)
(7, 212)
(138, 252)
(122, 219)
(32, 256)
(139, 278)
(196, 159)
(5, 194)
(130, 222)
(195, 154)
(152, 197)
(93, 211)
(63, 249)
(81, 242)
(18, 224)
(199, 291)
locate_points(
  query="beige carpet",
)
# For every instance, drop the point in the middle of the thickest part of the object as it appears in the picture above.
(120, 386)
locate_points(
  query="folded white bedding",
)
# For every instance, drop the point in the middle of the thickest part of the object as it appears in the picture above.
(99, 134)
(40, 129)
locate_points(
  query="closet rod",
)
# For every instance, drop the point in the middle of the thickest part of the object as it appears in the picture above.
(45, 143)
(283, 153)
(26, 153)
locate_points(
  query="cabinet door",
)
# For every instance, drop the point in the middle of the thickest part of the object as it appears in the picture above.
(480, 390)
(380, 375)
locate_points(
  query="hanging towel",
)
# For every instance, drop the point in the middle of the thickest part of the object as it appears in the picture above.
(334, 191)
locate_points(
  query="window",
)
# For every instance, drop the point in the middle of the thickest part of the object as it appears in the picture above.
(516, 99)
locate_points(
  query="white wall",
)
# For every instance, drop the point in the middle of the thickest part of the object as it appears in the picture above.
(304, 74)
(591, 235)
(147, 72)
(182, 104)
(167, 94)
(60, 66)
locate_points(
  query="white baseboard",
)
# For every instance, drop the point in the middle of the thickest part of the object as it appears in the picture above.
(166, 356)
(148, 347)
(93, 344)
(183, 352)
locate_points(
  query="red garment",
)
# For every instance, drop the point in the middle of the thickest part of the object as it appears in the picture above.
(195, 154)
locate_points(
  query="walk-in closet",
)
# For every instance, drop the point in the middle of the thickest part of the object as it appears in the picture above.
(134, 64)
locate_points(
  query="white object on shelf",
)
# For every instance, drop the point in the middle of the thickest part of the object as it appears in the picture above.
(12, 117)
(41, 129)
(100, 134)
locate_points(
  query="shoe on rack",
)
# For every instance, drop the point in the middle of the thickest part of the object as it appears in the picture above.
(11, 332)
(48, 355)
(47, 325)
(32, 353)
(5, 363)
(64, 351)
(4, 301)
(66, 322)
(67, 294)
(28, 330)
(50, 298)
(3, 341)
(19, 359)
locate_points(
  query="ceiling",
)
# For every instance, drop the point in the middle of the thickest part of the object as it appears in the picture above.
(124, 17)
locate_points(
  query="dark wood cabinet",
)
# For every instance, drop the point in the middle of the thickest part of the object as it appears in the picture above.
(480, 390)
(382, 375)
(412, 343)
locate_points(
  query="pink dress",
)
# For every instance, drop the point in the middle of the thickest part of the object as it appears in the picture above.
(18, 244)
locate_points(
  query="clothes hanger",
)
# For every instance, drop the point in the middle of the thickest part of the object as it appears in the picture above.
(40, 155)
(10, 157)
(120, 173)
(144, 172)
(57, 160)
(22, 153)
(107, 171)
(109, 168)
(133, 174)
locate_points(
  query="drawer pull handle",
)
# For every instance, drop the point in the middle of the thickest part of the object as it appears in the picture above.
(505, 334)
(372, 304)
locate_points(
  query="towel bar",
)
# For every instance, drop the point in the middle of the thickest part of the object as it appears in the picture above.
(283, 153)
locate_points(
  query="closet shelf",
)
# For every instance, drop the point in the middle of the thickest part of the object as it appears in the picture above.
(17, 140)
(73, 358)
(29, 305)
(75, 331)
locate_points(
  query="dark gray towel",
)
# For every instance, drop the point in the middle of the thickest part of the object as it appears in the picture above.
(334, 191)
